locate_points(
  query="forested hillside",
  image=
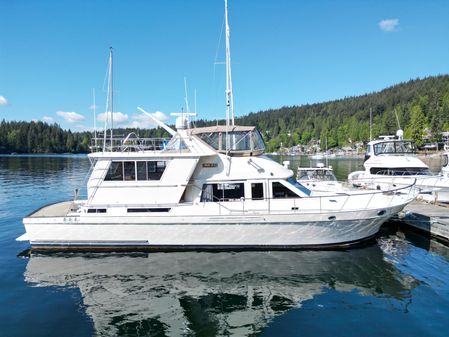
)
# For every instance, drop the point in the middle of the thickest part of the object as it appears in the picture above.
(40, 137)
(420, 104)
(422, 107)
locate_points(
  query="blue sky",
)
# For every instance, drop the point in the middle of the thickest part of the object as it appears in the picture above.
(290, 52)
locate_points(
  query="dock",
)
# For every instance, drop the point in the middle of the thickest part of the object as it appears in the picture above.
(430, 218)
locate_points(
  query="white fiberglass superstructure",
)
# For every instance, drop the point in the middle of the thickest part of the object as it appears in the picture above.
(209, 188)
(391, 162)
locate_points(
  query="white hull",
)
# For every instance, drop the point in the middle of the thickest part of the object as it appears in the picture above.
(433, 188)
(293, 230)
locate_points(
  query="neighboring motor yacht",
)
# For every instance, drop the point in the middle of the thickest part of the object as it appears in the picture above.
(391, 162)
(319, 178)
(209, 188)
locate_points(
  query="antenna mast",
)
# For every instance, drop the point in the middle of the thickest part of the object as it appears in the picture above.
(370, 124)
(110, 92)
(109, 104)
(229, 94)
(95, 118)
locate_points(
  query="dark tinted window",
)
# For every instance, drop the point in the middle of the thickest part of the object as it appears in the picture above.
(115, 171)
(280, 191)
(141, 170)
(223, 192)
(129, 170)
(155, 169)
(257, 191)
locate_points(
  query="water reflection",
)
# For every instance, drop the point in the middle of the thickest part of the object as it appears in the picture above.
(199, 293)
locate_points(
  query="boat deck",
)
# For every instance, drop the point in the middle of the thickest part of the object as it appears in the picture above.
(54, 210)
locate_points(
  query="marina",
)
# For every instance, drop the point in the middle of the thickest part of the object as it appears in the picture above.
(400, 277)
(297, 207)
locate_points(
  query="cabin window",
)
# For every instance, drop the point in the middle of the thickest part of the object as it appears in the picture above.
(257, 191)
(141, 170)
(155, 169)
(115, 171)
(281, 191)
(223, 192)
(401, 171)
(96, 210)
(129, 170)
(148, 210)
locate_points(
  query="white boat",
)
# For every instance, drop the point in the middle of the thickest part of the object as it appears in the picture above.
(319, 178)
(391, 162)
(208, 188)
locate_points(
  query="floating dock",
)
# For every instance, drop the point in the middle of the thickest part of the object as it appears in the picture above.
(429, 218)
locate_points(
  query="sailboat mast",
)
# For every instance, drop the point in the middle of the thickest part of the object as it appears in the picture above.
(229, 94)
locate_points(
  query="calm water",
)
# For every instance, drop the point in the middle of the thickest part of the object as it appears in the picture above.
(397, 285)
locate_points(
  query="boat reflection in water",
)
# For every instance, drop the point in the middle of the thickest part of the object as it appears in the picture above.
(227, 293)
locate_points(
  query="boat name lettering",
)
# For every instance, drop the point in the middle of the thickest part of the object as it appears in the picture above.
(210, 165)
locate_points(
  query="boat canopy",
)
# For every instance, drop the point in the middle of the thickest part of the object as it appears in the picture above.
(244, 140)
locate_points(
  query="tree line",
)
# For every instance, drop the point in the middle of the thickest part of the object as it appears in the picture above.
(420, 107)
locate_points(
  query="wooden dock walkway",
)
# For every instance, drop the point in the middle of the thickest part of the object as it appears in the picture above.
(430, 218)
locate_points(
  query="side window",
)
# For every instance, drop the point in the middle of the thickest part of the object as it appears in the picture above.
(115, 171)
(222, 192)
(280, 191)
(257, 191)
(231, 191)
(129, 170)
(141, 170)
(155, 169)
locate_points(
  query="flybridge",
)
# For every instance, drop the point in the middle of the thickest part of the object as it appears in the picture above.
(234, 139)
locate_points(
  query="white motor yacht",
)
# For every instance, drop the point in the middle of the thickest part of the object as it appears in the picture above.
(391, 162)
(208, 188)
(195, 193)
(319, 179)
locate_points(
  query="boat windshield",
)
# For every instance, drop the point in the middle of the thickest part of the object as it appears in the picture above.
(299, 186)
(235, 141)
(319, 174)
(395, 147)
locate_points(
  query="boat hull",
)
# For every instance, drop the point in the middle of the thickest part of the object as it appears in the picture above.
(270, 231)
(433, 188)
